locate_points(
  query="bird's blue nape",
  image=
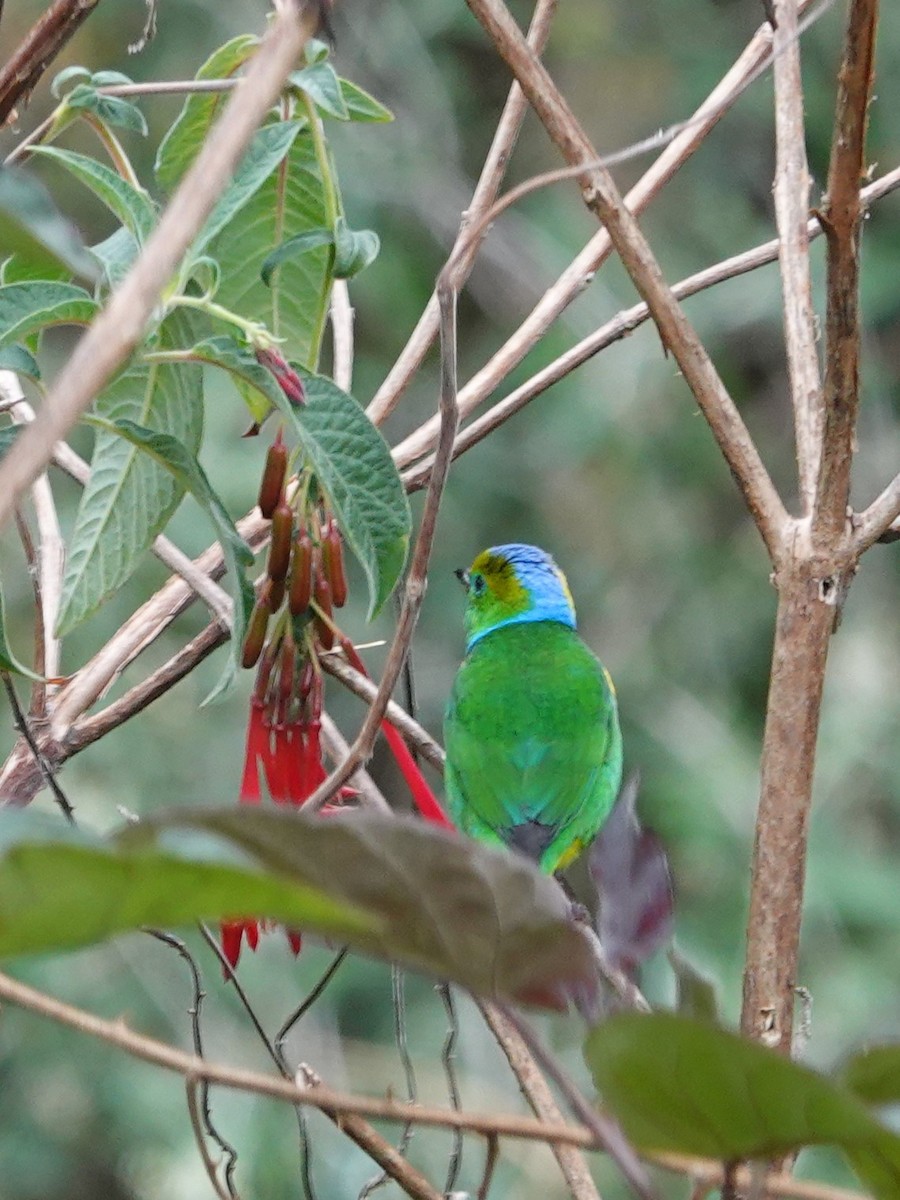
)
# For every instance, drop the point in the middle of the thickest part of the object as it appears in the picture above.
(548, 591)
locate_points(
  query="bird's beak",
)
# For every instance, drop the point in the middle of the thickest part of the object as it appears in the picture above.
(463, 577)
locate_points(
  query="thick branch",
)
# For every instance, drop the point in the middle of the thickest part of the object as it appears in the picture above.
(602, 197)
(792, 213)
(120, 326)
(841, 217)
(41, 45)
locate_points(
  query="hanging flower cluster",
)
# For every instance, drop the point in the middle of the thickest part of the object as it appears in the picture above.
(291, 625)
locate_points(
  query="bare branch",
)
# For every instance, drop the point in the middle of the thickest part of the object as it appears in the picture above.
(119, 327)
(579, 273)
(878, 519)
(792, 183)
(495, 164)
(841, 217)
(41, 45)
(342, 332)
(602, 197)
(192, 1087)
(540, 1099)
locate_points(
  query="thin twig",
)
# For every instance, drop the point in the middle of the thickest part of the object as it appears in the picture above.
(492, 173)
(31, 58)
(121, 324)
(619, 326)
(116, 1033)
(336, 747)
(582, 269)
(490, 1162)
(448, 1051)
(792, 214)
(341, 313)
(841, 216)
(874, 522)
(540, 1099)
(42, 765)
(192, 1087)
(416, 579)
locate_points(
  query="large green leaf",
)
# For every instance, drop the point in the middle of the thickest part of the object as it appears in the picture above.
(32, 227)
(20, 360)
(132, 206)
(129, 497)
(354, 466)
(266, 150)
(179, 147)
(61, 888)
(874, 1074)
(117, 253)
(29, 307)
(682, 1085)
(446, 904)
(361, 106)
(290, 202)
(174, 457)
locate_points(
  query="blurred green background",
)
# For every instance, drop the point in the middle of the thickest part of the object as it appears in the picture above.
(616, 473)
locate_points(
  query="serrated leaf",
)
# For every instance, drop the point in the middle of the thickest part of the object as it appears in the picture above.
(174, 457)
(320, 82)
(27, 307)
(353, 465)
(483, 918)
(241, 363)
(132, 206)
(129, 497)
(361, 106)
(112, 110)
(290, 202)
(179, 147)
(8, 661)
(267, 148)
(20, 360)
(117, 253)
(33, 228)
(62, 888)
(680, 1085)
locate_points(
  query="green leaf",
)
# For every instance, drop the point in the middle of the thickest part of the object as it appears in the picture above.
(361, 106)
(8, 661)
(321, 84)
(180, 145)
(112, 110)
(686, 1086)
(267, 149)
(63, 77)
(355, 249)
(27, 307)
(290, 201)
(174, 457)
(446, 904)
(129, 498)
(132, 206)
(33, 228)
(353, 464)
(874, 1074)
(61, 888)
(696, 994)
(117, 253)
(240, 362)
(20, 360)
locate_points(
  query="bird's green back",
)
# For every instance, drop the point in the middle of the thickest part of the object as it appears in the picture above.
(534, 752)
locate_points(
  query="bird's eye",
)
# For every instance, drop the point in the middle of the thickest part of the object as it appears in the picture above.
(478, 584)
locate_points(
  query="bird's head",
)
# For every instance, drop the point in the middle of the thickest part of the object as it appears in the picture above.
(509, 585)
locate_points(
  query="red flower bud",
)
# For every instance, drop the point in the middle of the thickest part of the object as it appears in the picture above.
(272, 483)
(333, 560)
(322, 597)
(280, 547)
(301, 575)
(288, 379)
(256, 633)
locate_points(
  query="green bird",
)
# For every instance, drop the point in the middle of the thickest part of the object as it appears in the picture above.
(534, 751)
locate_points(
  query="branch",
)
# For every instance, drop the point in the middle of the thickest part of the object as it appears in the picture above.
(581, 270)
(493, 171)
(792, 213)
(121, 324)
(876, 523)
(116, 1033)
(416, 579)
(841, 217)
(36, 52)
(602, 197)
